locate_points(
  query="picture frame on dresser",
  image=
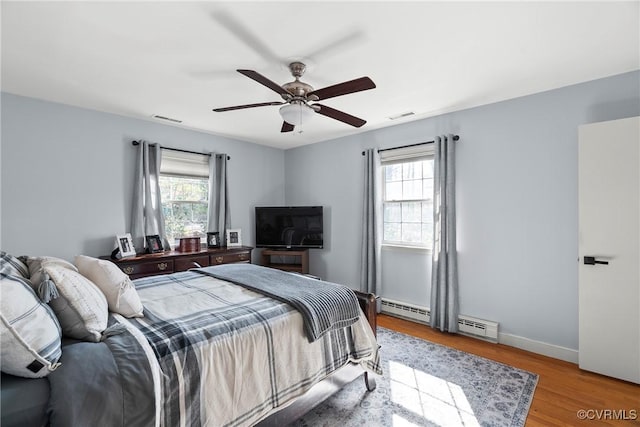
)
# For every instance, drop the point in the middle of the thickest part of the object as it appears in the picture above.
(234, 237)
(125, 245)
(154, 244)
(213, 239)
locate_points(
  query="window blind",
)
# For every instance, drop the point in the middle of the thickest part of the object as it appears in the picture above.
(400, 155)
(177, 163)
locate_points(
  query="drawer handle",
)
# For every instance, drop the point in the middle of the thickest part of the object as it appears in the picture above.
(219, 259)
(242, 256)
(128, 270)
(162, 266)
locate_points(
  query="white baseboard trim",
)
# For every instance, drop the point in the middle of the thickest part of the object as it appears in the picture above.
(539, 347)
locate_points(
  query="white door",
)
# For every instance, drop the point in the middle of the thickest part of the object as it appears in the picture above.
(609, 232)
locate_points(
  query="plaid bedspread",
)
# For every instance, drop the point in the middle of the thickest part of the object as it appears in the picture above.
(228, 356)
(335, 307)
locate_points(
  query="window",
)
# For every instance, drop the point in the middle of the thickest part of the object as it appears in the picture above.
(408, 198)
(184, 188)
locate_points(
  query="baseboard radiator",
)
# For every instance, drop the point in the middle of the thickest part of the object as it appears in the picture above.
(467, 325)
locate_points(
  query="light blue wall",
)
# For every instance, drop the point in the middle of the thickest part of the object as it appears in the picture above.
(517, 205)
(66, 173)
(66, 176)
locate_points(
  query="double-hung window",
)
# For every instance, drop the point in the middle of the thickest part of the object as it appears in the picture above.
(184, 188)
(408, 196)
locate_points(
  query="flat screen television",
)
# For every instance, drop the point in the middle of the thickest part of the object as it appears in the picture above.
(289, 227)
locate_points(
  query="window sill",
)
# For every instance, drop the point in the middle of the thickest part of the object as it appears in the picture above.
(395, 246)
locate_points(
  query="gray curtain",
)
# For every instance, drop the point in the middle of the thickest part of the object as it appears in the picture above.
(219, 213)
(146, 217)
(370, 271)
(444, 274)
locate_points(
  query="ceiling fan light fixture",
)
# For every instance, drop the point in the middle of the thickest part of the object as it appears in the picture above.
(296, 114)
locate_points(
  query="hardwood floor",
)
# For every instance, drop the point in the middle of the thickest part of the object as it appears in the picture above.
(563, 389)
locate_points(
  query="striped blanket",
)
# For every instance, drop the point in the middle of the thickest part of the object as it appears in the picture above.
(334, 308)
(227, 356)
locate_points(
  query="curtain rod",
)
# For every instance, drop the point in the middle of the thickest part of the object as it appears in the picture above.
(180, 150)
(455, 138)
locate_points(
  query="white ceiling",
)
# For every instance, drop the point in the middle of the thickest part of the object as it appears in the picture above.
(178, 59)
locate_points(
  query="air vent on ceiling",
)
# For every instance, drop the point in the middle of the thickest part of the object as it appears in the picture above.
(400, 116)
(167, 118)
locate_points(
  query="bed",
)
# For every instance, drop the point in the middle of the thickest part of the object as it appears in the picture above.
(232, 345)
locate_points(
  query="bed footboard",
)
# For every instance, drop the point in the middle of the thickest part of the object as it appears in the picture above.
(368, 306)
(317, 394)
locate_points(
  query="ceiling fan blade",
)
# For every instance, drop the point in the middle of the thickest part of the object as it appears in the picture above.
(336, 45)
(286, 127)
(357, 85)
(240, 107)
(340, 115)
(265, 81)
(244, 33)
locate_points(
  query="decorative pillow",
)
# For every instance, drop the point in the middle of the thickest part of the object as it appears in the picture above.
(40, 280)
(30, 334)
(121, 294)
(13, 266)
(81, 307)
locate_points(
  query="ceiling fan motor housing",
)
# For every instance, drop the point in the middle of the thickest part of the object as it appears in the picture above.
(297, 88)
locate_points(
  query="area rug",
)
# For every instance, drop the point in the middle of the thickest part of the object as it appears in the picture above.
(427, 384)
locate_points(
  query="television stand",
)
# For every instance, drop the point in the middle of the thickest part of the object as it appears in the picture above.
(300, 264)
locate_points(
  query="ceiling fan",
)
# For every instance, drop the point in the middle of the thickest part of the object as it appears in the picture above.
(297, 96)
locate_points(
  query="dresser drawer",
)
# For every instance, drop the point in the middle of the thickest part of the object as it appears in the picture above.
(244, 256)
(173, 261)
(183, 264)
(142, 269)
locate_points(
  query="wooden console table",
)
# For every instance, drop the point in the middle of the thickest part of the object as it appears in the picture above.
(298, 267)
(174, 261)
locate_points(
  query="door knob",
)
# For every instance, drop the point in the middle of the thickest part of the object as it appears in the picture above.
(590, 260)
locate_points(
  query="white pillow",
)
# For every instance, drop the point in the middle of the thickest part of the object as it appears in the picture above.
(121, 294)
(30, 334)
(81, 307)
(39, 278)
(13, 266)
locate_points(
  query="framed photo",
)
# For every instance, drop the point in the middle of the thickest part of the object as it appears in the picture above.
(213, 239)
(234, 237)
(125, 245)
(154, 244)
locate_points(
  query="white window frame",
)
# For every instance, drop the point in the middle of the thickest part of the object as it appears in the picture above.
(398, 156)
(180, 164)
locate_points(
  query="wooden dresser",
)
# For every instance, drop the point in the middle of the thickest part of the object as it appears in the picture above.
(174, 261)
